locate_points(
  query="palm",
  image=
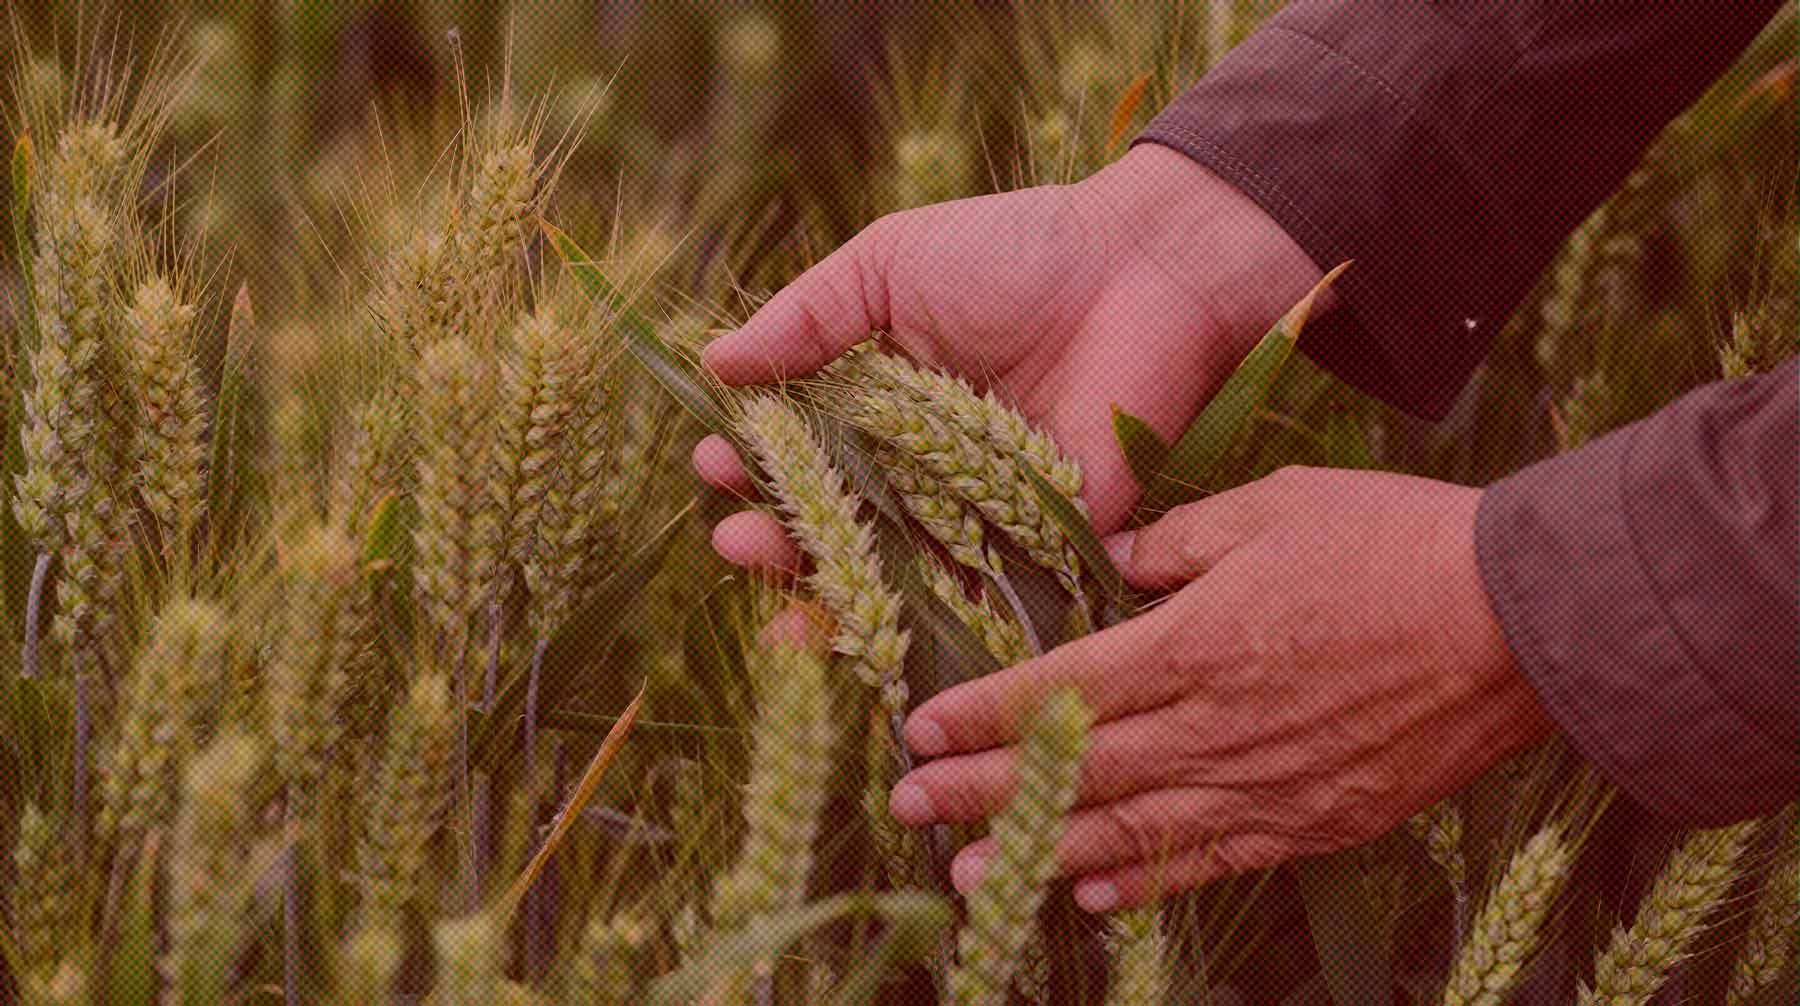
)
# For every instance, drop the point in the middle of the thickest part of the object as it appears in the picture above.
(1041, 296)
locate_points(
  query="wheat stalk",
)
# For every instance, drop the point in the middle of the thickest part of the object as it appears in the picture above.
(1695, 879)
(1002, 910)
(1506, 930)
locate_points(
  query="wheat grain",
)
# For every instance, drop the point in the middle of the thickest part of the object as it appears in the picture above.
(1695, 879)
(1506, 930)
(1002, 910)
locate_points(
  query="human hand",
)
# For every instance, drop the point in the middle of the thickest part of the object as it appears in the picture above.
(1330, 667)
(1141, 286)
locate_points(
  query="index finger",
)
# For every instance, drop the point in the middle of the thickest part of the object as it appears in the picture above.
(1134, 666)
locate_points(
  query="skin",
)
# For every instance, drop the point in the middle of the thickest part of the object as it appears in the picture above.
(1327, 662)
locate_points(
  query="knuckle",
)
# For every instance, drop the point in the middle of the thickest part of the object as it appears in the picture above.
(1134, 834)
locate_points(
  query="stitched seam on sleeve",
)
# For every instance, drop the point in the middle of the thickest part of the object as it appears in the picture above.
(1451, 152)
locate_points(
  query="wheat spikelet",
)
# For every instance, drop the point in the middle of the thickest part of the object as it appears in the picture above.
(1506, 930)
(406, 801)
(1002, 910)
(171, 447)
(454, 466)
(790, 773)
(44, 905)
(209, 888)
(1696, 878)
(1140, 959)
(1773, 937)
(821, 515)
(580, 504)
(176, 674)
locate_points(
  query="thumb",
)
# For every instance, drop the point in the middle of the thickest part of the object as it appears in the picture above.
(1190, 539)
(814, 320)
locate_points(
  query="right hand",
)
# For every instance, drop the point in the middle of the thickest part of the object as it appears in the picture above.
(1141, 286)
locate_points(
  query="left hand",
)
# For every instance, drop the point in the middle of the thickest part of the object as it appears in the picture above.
(1330, 667)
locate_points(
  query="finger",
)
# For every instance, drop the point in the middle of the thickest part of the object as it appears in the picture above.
(1191, 539)
(1130, 667)
(802, 626)
(718, 465)
(756, 541)
(1132, 755)
(1146, 828)
(831, 307)
(1145, 883)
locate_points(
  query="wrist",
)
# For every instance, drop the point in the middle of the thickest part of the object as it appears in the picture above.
(1178, 216)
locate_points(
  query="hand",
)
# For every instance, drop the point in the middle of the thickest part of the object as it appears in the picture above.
(1330, 667)
(1141, 286)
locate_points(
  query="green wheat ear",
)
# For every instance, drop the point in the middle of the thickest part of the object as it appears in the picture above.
(821, 514)
(1507, 929)
(1696, 878)
(1003, 908)
(790, 775)
(1140, 959)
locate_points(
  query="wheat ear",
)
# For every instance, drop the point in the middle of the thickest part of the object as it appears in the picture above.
(1696, 878)
(171, 444)
(1773, 937)
(209, 888)
(790, 774)
(174, 678)
(1002, 910)
(821, 514)
(406, 802)
(1506, 931)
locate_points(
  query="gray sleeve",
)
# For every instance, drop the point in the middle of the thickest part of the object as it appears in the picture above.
(1649, 585)
(1447, 147)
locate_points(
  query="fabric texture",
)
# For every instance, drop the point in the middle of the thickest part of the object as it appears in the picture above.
(1649, 583)
(1447, 148)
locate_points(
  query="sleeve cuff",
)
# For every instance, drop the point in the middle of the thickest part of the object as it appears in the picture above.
(1587, 626)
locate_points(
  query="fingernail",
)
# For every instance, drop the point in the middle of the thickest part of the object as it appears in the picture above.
(1119, 546)
(910, 805)
(966, 871)
(1097, 896)
(926, 738)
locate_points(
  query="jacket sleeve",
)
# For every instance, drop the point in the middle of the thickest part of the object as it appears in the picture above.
(1447, 147)
(1649, 585)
